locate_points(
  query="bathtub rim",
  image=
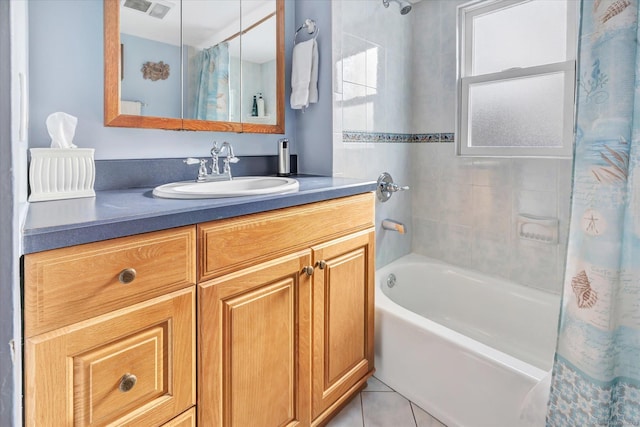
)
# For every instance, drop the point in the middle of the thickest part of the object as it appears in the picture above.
(479, 349)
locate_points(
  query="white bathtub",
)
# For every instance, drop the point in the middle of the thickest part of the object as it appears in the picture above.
(465, 347)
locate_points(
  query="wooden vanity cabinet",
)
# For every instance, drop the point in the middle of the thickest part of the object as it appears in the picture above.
(285, 313)
(284, 332)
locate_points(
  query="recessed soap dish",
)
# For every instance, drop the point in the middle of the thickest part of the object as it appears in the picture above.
(538, 228)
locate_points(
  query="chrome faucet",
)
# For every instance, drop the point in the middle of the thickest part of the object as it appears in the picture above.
(226, 169)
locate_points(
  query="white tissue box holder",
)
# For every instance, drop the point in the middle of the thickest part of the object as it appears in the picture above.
(61, 173)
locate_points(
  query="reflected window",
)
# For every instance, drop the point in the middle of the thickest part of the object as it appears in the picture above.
(516, 78)
(360, 70)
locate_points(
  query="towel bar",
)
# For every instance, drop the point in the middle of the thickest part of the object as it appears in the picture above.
(311, 27)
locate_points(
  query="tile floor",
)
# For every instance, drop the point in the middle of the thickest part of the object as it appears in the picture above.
(380, 406)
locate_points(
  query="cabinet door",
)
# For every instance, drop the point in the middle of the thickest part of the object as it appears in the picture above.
(342, 317)
(253, 346)
(133, 367)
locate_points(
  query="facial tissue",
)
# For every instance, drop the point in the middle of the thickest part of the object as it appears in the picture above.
(61, 128)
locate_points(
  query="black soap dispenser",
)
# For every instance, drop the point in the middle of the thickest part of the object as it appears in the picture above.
(254, 109)
(284, 168)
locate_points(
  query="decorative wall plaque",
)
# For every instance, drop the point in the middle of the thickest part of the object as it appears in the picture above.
(155, 71)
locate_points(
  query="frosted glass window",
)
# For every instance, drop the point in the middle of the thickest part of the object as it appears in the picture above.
(521, 35)
(523, 112)
(516, 64)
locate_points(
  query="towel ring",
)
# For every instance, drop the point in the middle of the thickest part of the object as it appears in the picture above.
(311, 27)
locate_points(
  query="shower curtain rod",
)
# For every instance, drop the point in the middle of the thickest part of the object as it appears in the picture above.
(240, 33)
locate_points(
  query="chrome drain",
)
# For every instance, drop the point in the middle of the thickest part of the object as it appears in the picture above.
(391, 280)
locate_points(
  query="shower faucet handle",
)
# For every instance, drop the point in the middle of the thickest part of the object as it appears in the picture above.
(393, 187)
(386, 187)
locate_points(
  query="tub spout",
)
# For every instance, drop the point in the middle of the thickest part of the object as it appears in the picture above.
(393, 225)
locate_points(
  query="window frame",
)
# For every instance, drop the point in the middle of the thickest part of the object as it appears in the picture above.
(466, 13)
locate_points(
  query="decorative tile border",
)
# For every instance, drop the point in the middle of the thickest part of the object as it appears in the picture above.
(447, 137)
(383, 137)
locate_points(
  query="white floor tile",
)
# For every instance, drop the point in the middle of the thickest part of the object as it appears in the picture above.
(423, 419)
(382, 409)
(374, 384)
(350, 415)
(379, 406)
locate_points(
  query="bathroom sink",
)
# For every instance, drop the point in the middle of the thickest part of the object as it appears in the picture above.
(238, 187)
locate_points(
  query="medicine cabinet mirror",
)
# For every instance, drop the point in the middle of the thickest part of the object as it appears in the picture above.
(194, 65)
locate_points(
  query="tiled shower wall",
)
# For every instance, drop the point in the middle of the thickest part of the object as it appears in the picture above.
(465, 209)
(371, 86)
(465, 212)
(460, 210)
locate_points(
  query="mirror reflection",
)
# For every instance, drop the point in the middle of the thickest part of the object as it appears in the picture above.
(200, 60)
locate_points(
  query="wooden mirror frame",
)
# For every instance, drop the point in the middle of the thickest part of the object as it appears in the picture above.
(112, 70)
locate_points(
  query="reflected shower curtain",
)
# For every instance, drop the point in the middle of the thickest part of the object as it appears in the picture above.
(212, 93)
(596, 373)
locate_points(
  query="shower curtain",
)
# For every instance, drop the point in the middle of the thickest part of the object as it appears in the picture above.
(212, 93)
(596, 373)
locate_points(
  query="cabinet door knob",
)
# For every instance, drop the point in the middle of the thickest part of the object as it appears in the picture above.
(322, 264)
(127, 382)
(308, 270)
(127, 275)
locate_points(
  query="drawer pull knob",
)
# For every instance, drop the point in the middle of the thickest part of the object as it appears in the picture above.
(322, 264)
(308, 270)
(127, 276)
(127, 382)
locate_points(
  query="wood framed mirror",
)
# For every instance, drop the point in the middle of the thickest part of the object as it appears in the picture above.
(164, 68)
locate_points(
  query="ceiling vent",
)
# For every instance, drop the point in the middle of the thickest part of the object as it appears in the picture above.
(157, 9)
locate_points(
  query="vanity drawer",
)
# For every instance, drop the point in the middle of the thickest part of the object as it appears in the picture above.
(186, 419)
(67, 285)
(135, 366)
(235, 243)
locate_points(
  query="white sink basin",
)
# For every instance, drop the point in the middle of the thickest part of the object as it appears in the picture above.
(241, 186)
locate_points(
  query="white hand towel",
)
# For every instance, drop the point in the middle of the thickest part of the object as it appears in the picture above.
(131, 108)
(304, 74)
(313, 83)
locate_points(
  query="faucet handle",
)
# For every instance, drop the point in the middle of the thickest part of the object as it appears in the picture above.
(393, 187)
(202, 170)
(227, 166)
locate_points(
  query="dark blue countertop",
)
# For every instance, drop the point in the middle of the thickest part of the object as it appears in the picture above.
(118, 213)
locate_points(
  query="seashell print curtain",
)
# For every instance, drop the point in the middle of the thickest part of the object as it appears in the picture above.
(212, 93)
(596, 373)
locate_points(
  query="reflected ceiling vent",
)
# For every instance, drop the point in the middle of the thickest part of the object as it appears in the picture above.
(157, 9)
